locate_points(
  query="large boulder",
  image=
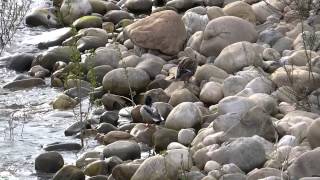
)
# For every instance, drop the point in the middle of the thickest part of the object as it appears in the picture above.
(19, 62)
(247, 153)
(239, 55)
(74, 9)
(184, 115)
(305, 165)
(226, 30)
(163, 31)
(49, 162)
(119, 81)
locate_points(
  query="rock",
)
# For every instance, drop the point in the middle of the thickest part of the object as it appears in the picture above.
(240, 9)
(288, 140)
(99, 72)
(158, 166)
(39, 72)
(112, 102)
(235, 176)
(179, 158)
(266, 102)
(180, 4)
(214, 12)
(152, 67)
(115, 16)
(69, 172)
(269, 36)
(139, 5)
(163, 137)
(88, 22)
(49, 162)
(143, 133)
(211, 165)
(125, 171)
(201, 156)
(239, 55)
(262, 10)
(63, 101)
(53, 55)
(54, 37)
(163, 108)
(19, 62)
(233, 85)
(72, 10)
(313, 134)
(209, 71)
(261, 85)
(116, 81)
(186, 136)
(99, 177)
(42, 17)
(88, 157)
(235, 104)
(101, 7)
(99, 167)
(90, 42)
(305, 165)
(158, 95)
(231, 169)
(114, 136)
(301, 79)
(224, 31)
(125, 150)
(62, 147)
(166, 32)
(76, 92)
(182, 95)
(74, 128)
(24, 83)
(194, 22)
(109, 117)
(105, 128)
(184, 115)
(211, 93)
(246, 153)
(195, 41)
(266, 172)
(103, 56)
(282, 44)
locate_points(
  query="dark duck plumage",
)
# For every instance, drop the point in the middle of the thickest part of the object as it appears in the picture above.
(186, 69)
(149, 113)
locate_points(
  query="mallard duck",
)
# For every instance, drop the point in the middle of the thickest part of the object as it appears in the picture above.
(186, 69)
(149, 113)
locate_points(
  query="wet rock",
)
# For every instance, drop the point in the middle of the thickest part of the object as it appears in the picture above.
(39, 72)
(24, 83)
(105, 128)
(76, 92)
(115, 16)
(223, 31)
(160, 168)
(62, 147)
(99, 167)
(74, 128)
(88, 22)
(53, 55)
(63, 101)
(49, 162)
(88, 157)
(239, 55)
(240, 9)
(186, 136)
(139, 5)
(163, 137)
(109, 117)
(246, 153)
(114, 136)
(70, 11)
(116, 81)
(125, 150)
(69, 172)
(166, 32)
(42, 17)
(55, 37)
(211, 93)
(184, 115)
(19, 62)
(305, 165)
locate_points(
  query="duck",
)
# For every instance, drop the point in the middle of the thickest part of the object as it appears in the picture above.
(149, 113)
(186, 69)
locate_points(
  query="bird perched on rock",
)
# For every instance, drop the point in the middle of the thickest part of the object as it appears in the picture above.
(186, 69)
(149, 113)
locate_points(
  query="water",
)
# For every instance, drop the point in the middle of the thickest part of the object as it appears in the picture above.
(35, 122)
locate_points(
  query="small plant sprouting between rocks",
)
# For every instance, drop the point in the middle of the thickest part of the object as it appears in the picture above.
(12, 13)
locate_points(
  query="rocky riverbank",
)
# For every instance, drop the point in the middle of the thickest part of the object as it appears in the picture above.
(188, 89)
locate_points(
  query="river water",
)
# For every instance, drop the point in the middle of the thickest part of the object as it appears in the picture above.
(35, 123)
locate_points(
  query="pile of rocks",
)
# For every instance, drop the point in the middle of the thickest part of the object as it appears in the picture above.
(250, 111)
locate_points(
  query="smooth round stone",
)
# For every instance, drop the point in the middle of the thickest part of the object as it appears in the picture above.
(49, 162)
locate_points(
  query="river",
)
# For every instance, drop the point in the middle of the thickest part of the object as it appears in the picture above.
(35, 123)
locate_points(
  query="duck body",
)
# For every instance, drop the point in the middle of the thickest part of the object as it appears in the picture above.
(186, 69)
(149, 113)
